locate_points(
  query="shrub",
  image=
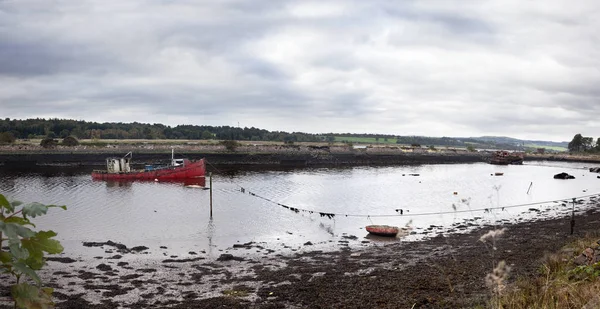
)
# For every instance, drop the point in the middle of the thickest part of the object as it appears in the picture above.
(48, 142)
(230, 145)
(24, 253)
(70, 141)
(7, 138)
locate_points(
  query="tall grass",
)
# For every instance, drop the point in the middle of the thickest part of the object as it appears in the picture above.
(559, 284)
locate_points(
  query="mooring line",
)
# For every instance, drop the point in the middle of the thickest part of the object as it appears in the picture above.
(405, 214)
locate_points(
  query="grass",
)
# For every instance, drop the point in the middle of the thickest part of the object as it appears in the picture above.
(555, 148)
(559, 284)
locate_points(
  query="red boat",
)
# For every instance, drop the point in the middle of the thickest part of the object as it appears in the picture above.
(383, 230)
(119, 169)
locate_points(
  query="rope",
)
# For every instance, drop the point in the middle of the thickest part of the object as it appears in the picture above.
(403, 214)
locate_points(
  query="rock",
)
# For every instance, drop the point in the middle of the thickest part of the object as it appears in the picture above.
(65, 260)
(589, 256)
(139, 248)
(229, 257)
(308, 243)
(104, 267)
(563, 175)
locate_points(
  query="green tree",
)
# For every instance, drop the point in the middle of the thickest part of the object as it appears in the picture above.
(206, 135)
(576, 144)
(587, 143)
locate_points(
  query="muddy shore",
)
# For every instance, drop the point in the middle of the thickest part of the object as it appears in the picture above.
(443, 271)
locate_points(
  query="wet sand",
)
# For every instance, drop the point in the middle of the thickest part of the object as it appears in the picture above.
(442, 271)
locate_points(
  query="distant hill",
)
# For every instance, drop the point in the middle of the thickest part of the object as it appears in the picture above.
(515, 141)
(556, 146)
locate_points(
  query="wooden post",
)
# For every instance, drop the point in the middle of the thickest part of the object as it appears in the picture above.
(210, 184)
(573, 218)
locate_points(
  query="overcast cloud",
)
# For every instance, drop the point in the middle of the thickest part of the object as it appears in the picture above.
(525, 69)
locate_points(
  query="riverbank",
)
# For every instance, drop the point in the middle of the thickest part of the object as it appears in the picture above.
(443, 271)
(263, 154)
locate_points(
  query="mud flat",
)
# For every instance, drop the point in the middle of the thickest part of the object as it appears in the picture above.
(445, 270)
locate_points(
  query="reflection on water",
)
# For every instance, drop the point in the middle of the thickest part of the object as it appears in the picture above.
(188, 183)
(173, 214)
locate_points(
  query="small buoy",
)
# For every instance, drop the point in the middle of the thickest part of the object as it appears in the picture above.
(155, 179)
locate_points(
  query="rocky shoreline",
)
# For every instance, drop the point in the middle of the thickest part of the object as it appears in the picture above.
(268, 159)
(254, 155)
(446, 270)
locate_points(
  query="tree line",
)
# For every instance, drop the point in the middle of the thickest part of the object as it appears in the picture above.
(580, 143)
(61, 128)
(11, 129)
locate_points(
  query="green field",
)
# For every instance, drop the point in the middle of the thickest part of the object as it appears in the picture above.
(555, 148)
(364, 140)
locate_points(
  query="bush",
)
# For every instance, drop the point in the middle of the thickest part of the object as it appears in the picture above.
(48, 142)
(7, 138)
(230, 145)
(70, 141)
(23, 253)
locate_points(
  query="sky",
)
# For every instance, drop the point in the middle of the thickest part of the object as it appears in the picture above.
(524, 69)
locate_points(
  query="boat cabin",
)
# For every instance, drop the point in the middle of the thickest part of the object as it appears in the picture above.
(118, 165)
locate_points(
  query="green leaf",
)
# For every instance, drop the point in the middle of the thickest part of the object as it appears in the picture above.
(58, 206)
(5, 257)
(29, 296)
(5, 204)
(19, 221)
(34, 209)
(39, 244)
(13, 231)
(23, 268)
(16, 203)
(18, 252)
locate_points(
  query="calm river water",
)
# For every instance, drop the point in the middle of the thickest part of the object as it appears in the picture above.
(157, 214)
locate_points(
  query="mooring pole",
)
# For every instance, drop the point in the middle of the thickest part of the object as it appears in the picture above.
(210, 184)
(531, 184)
(573, 218)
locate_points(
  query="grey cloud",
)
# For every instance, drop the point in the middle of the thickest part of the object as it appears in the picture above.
(406, 67)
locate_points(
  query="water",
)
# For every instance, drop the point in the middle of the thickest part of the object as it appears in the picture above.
(174, 215)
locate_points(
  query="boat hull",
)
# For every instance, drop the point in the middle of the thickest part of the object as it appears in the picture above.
(382, 230)
(192, 170)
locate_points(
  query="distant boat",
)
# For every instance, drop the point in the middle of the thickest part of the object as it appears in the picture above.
(383, 230)
(119, 169)
(498, 174)
(503, 157)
